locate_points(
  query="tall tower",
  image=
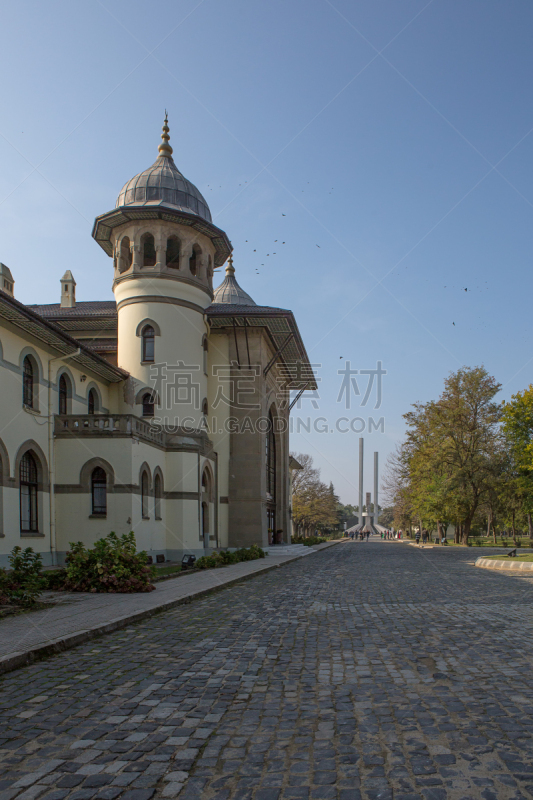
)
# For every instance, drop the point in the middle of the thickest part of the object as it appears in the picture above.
(361, 462)
(376, 487)
(164, 248)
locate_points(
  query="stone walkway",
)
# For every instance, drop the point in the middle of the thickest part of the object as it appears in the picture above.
(366, 671)
(76, 617)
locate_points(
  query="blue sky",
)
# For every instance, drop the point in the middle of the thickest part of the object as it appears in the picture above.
(395, 137)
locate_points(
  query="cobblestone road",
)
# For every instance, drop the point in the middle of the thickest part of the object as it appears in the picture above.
(365, 671)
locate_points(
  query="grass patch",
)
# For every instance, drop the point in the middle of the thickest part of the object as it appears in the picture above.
(163, 571)
(525, 557)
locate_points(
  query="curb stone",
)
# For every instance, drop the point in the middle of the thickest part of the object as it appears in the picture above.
(54, 646)
(493, 563)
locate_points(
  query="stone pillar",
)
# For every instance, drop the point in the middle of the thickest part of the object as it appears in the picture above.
(137, 260)
(161, 256)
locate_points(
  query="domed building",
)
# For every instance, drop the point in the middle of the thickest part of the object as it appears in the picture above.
(166, 410)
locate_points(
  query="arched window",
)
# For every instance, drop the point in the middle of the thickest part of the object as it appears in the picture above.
(193, 260)
(92, 402)
(148, 250)
(28, 381)
(158, 492)
(173, 252)
(63, 394)
(210, 267)
(148, 405)
(144, 495)
(206, 499)
(271, 459)
(99, 491)
(205, 349)
(148, 343)
(126, 256)
(29, 522)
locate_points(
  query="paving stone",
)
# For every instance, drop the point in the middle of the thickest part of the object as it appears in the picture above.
(109, 793)
(56, 794)
(365, 672)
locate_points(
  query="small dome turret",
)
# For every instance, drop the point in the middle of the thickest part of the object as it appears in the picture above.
(162, 184)
(229, 292)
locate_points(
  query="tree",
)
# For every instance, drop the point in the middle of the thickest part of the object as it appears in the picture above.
(453, 450)
(314, 504)
(517, 426)
(386, 518)
(395, 487)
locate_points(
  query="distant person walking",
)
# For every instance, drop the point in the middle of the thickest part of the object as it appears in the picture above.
(417, 537)
(367, 535)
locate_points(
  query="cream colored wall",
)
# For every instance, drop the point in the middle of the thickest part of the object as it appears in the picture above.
(182, 330)
(178, 530)
(74, 508)
(149, 533)
(21, 425)
(126, 457)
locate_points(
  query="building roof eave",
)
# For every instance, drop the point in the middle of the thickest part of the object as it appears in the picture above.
(279, 323)
(49, 333)
(104, 224)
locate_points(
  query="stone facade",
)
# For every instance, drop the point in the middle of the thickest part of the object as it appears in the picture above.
(153, 413)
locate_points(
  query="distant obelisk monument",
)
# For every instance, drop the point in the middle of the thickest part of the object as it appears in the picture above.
(361, 447)
(371, 518)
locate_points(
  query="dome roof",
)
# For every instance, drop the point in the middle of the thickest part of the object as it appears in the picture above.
(229, 292)
(162, 184)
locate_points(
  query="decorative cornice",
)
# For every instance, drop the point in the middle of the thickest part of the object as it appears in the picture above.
(158, 298)
(165, 276)
(105, 223)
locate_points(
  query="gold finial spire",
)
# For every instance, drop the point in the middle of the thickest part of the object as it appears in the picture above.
(230, 269)
(165, 149)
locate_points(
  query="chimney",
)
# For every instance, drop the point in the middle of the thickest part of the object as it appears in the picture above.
(68, 290)
(6, 280)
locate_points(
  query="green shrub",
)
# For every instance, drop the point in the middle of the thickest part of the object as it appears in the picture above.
(309, 540)
(54, 579)
(112, 565)
(249, 554)
(23, 583)
(225, 557)
(209, 562)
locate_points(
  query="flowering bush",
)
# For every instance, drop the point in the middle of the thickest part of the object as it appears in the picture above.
(225, 557)
(112, 565)
(23, 583)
